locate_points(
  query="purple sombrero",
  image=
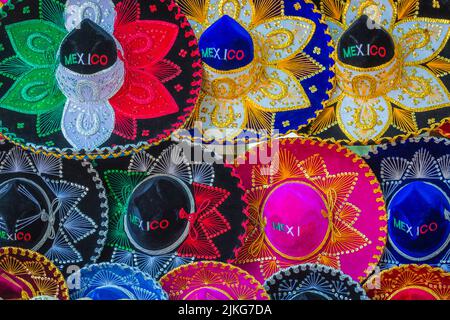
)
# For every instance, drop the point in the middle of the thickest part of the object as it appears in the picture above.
(310, 202)
(212, 281)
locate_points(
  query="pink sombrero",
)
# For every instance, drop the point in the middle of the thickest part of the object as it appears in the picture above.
(310, 202)
(207, 280)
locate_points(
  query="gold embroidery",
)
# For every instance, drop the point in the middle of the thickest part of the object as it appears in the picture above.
(404, 120)
(280, 39)
(332, 8)
(371, 9)
(230, 7)
(266, 9)
(440, 66)
(276, 89)
(407, 9)
(415, 39)
(325, 120)
(302, 66)
(417, 87)
(365, 117)
(195, 9)
(222, 118)
(369, 83)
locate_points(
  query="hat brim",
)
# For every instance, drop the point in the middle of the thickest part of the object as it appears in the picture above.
(78, 205)
(325, 283)
(135, 284)
(304, 71)
(356, 217)
(166, 90)
(36, 270)
(200, 278)
(219, 236)
(399, 112)
(412, 153)
(409, 282)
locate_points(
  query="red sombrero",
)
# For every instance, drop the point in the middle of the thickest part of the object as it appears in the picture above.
(25, 274)
(207, 280)
(409, 282)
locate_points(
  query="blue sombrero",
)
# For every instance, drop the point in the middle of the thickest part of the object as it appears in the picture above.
(415, 178)
(267, 68)
(112, 281)
(313, 282)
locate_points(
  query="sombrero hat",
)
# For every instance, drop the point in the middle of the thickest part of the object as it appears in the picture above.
(267, 68)
(57, 207)
(313, 282)
(310, 202)
(409, 282)
(171, 205)
(112, 281)
(208, 280)
(25, 274)
(414, 176)
(392, 67)
(98, 78)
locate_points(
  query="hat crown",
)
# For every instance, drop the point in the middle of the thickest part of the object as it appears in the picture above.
(418, 219)
(226, 45)
(154, 219)
(365, 44)
(88, 49)
(22, 201)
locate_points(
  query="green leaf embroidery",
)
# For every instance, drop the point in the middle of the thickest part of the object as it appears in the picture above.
(36, 92)
(49, 123)
(14, 67)
(36, 42)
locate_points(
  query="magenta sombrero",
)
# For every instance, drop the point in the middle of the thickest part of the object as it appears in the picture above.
(25, 274)
(207, 280)
(95, 78)
(310, 202)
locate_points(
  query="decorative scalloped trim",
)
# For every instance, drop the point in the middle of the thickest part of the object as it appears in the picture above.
(429, 269)
(125, 150)
(205, 264)
(106, 265)
(44, 261)
(104, 217)
(331, 81)
(315, 267)
(383, 140)
(379, 243)
(244, 199)
(375, 149)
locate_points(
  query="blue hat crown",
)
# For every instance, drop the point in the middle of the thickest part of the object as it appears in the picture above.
(226, 45)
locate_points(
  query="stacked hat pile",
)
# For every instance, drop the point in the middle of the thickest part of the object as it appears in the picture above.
(224, 150)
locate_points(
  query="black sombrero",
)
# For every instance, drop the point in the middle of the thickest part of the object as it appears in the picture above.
(95, 79)
(171, 205)
(54, 206)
